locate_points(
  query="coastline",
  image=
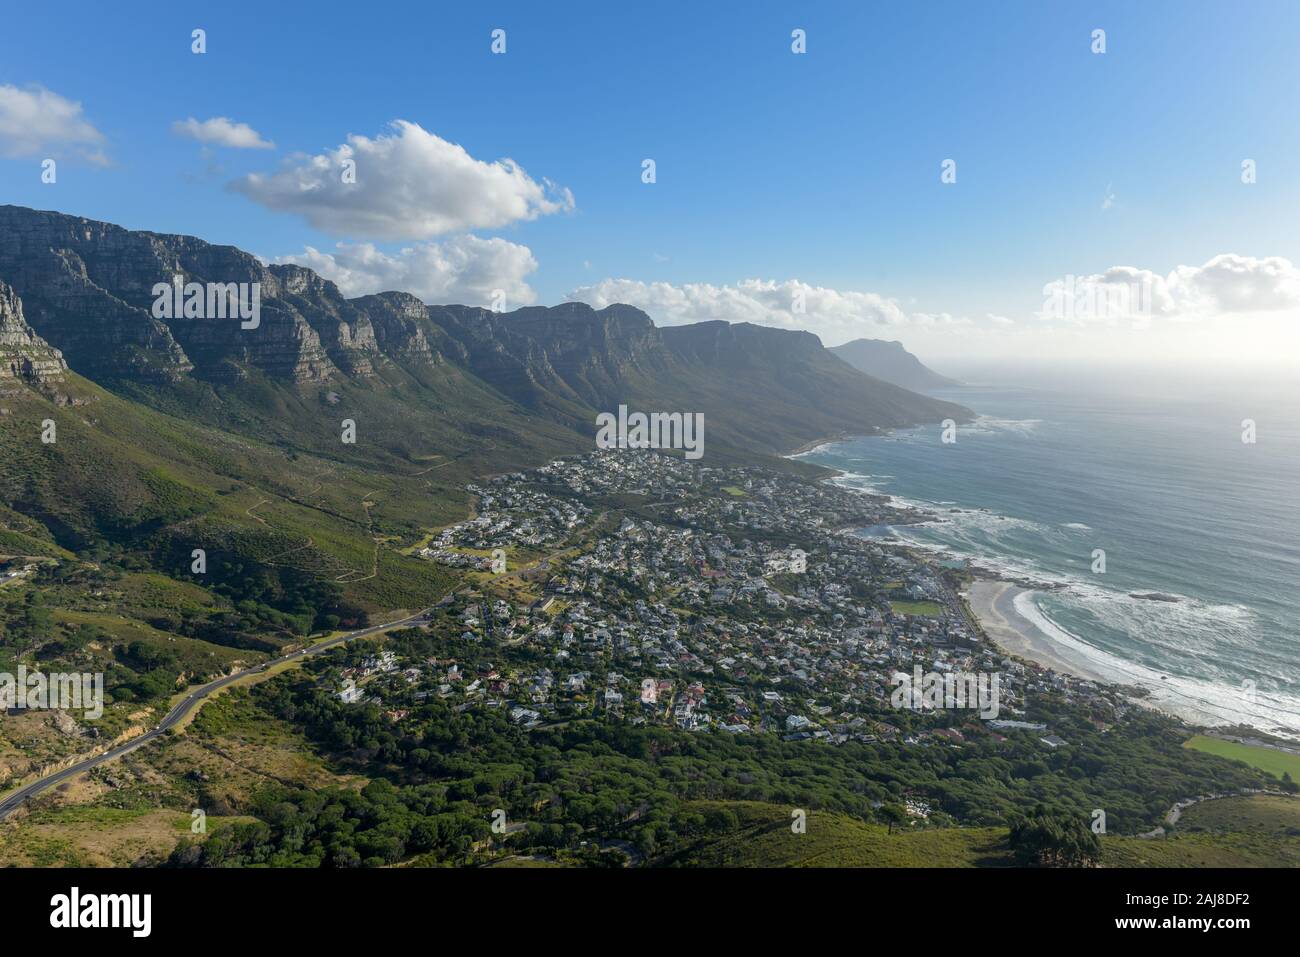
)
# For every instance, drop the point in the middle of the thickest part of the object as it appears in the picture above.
(992, 602)
(1008, 610)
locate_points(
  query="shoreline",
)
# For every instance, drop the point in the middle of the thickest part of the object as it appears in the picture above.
(992, 602)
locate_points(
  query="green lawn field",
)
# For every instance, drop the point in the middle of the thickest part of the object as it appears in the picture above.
(1266, 759)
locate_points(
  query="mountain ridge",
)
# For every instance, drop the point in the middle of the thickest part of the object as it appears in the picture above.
(456, 373)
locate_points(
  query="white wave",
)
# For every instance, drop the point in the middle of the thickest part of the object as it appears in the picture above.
(1198, 700)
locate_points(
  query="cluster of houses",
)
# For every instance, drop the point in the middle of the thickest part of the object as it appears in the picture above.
(509, 514)
(732, 599)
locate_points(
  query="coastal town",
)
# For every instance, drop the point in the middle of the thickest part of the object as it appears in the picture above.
(638, 587)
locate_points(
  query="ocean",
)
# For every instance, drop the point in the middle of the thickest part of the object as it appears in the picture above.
(1151, 468)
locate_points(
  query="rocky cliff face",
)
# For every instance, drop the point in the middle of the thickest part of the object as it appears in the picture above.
(24, 356)
(401, 327)
(88, 289)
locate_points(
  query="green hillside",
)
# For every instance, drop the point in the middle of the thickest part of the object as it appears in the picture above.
(120, 500)
(762, 837)
(1257, 831)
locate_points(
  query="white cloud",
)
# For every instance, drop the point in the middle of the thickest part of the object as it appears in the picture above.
(461, 269)
(834, 315)
(410, 184)
(37, 121)
(222, 131)
(1226, 285)
(1235, 284)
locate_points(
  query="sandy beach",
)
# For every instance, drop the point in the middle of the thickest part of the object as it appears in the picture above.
(993, 603)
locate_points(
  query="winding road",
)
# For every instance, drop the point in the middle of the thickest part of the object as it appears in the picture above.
(15, 799)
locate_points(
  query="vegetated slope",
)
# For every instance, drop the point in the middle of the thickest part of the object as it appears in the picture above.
(762, 837)
(1254, 831)
(1258, 830)
(123, 479)
(312, 360)
(762, 391)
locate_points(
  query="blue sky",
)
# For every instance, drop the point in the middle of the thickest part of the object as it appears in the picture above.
(819, 170)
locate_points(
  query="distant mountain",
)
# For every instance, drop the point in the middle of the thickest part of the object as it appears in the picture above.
(761, 390)
(890, 362)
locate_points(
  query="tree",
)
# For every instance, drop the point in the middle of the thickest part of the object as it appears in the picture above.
(1054, 839)
(893, 814)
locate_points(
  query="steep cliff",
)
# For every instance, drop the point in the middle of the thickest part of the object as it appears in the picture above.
(25, 357)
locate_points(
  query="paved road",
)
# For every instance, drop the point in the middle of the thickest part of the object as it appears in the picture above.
(190, 702)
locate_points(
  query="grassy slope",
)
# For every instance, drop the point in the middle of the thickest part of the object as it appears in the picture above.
(124, 473)
(764, 839)
(1258, 831)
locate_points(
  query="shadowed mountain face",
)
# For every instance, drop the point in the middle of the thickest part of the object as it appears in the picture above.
(418, 379)
(889, 361)
(760, 389)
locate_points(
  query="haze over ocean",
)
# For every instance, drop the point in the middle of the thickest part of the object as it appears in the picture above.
(1154, 471)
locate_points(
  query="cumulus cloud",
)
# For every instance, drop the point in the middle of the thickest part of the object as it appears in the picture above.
(409, 184)
(1226, 285)
(834, 315)
(222, 131)
(37, 121)
(461, 269)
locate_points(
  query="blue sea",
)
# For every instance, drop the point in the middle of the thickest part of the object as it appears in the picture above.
(1150, 467)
